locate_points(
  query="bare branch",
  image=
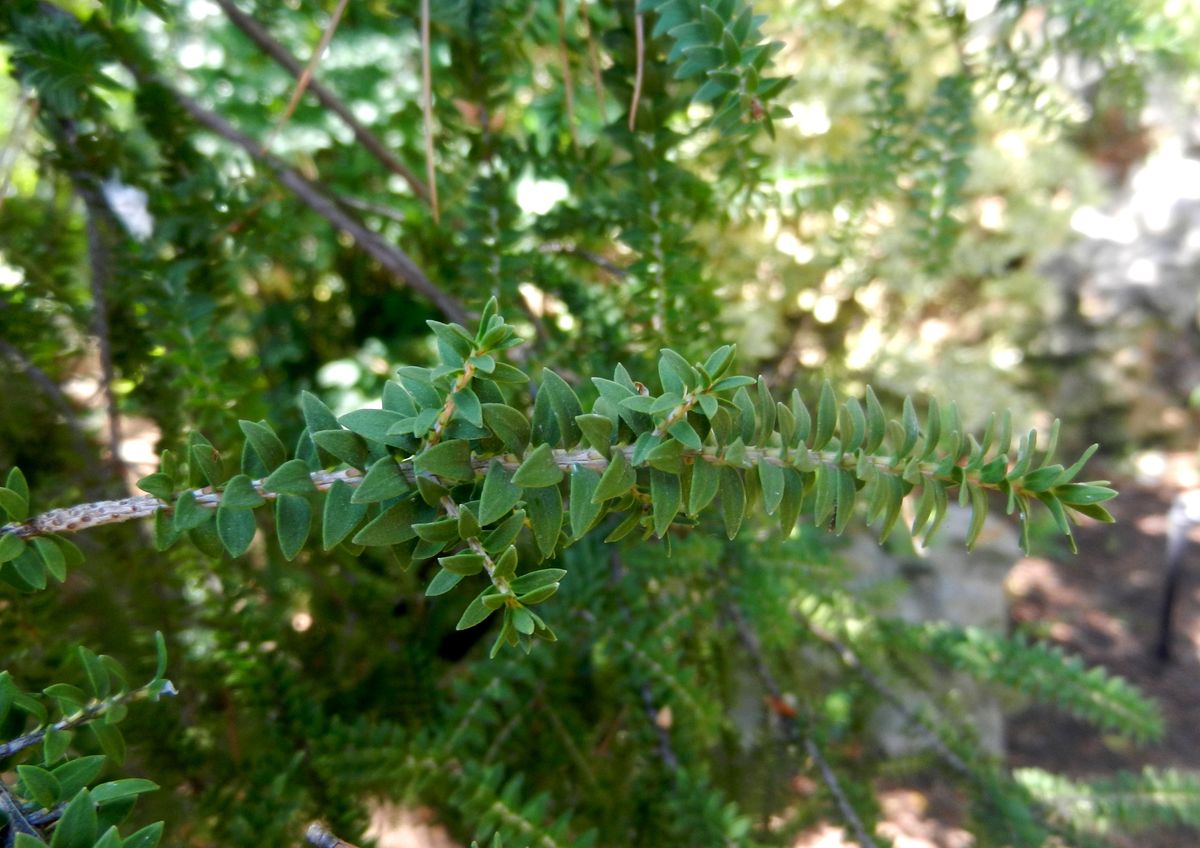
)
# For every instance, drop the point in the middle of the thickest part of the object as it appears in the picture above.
(593, 57)
(568, 85)
(306, 75)
(369, 141)
(639, 33)
(392, 258)
(791, 727)
(427, 108)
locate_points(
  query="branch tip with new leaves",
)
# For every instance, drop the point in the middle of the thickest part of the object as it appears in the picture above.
(455, 466)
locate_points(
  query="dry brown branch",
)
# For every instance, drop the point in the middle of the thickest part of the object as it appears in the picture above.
(593, 58)
(306, 74)
(568, 85)
(312, 195)
(639, 34)
(791, 727)
(427, 109)
(369, 141)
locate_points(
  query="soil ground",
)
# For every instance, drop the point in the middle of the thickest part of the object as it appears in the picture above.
(1103, 604)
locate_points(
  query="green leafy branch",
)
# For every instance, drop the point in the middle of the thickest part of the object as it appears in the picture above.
(451, 466)
(50, 793)
(721, 44)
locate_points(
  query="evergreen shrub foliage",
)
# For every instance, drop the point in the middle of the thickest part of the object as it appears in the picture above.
(340, 590)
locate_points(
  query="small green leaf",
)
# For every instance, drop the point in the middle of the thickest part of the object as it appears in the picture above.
(476, 612)
(75, 774)
(55, 744)
(16, 506)
(393, 526)
(617, 479)
(584, 510)
(41, 786)
(665, 498)
(204, 462)
(11, 546)
(770, 476)
(341, 514)
(449, 460)
(30, 568)
(442, 583)
(52, 557)
(564, 405)
(466, 405)
(235, 528)
(293, 521)
(110, 839)
(535, 580)
(845, 500)
(97, 675)
(239, 493)
(147, 837)
(158, 484)
(349, 447)
(539, 469)
(384, 480)
(16, 482)
(465, 563)
(733, 500)
(1078, 494)
(112, 743)
(498, 496)
(508, 425)
(735, 382)
(505, 533)
(706, 478)
(77, 827)
(291, 478)
(597, 429)
(128, 787)
(188, 514)
(265, 443)
(317, 416)
(160, 654)
(376, 425)
(826, 417)
(545, 510)
(686, 434)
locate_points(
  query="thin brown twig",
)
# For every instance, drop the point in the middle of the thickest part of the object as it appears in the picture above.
(370, 142)
(427, 109)
(390, 257)
(791, 727)
(100, 267)
(306, 75)
(568, 84)
(593, 58)
(639, 35)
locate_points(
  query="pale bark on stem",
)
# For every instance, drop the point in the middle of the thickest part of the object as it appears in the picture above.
(74, 519)
(319, 837)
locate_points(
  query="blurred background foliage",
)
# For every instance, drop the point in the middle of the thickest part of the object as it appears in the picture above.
(933, 167)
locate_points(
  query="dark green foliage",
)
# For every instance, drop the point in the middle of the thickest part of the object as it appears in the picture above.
(664, 523)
